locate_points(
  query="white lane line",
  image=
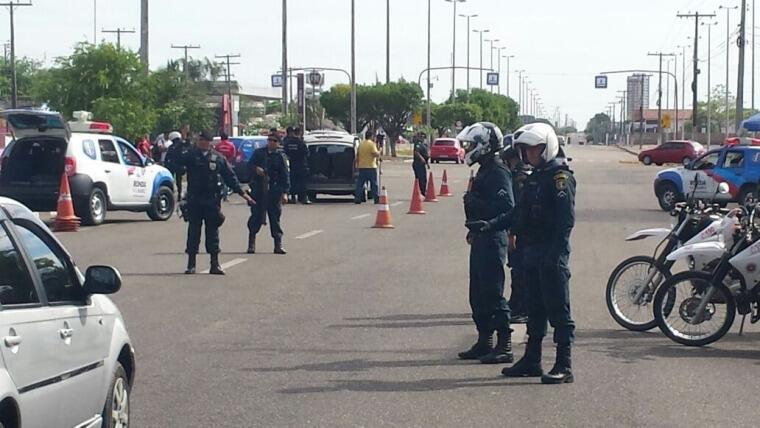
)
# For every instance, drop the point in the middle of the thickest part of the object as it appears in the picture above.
(456, 181)
(395, 204)
(229, 264)
(359, 217)
(309, 234)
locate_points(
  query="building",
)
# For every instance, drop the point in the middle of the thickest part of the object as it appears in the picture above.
(636, 98)
(651, 116)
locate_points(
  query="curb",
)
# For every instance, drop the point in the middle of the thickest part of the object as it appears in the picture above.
(626, 150)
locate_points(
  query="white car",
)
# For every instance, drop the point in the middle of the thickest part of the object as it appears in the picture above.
(105, 172)
(67, 360)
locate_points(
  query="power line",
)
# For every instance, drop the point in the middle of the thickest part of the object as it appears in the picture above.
(185, 48)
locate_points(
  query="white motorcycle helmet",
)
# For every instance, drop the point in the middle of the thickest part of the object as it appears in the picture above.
(483, 138)
(536, 134)
(174, 135)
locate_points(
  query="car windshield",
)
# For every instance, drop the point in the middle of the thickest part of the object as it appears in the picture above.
(35, 121)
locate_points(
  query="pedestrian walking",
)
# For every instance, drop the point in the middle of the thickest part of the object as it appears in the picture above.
(367, 157)
(488, 209)
(545, 221)
(270, 184)
(518, 299)
(206, 169)
(420, 162)
(298, 154)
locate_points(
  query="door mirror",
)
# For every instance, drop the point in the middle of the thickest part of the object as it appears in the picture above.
(723, 188)
(102, 280)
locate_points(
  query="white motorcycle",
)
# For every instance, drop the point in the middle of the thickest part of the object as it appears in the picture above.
(633, 283)
(707, 301)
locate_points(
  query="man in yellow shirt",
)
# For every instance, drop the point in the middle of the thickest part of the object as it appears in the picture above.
(366, 162)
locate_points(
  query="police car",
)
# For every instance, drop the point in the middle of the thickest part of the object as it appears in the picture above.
(738, 166)
(105, 172)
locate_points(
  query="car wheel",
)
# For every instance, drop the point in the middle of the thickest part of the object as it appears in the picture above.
(162, 208)
(647, 160)
(116, 409)
(94, 211)
(667, 196)
(685, 161)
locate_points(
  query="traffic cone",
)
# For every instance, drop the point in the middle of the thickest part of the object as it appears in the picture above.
(430, 194)
(416, 206)
(445, 185)
(383, 219)
(65, 220)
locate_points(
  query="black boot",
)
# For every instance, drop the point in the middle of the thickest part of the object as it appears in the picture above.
(215, 269)
(251, 243)
(502, 353)
(562, 370)
(530, 364)
(190, 264)
(482, 347)
(278, 247)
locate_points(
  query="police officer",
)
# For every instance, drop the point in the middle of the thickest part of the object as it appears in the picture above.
(518, 298)
(298, 154)
(206, 169)
(488, 208)
(270, 184)
(173, 159)
(545, 219)
(420, 161)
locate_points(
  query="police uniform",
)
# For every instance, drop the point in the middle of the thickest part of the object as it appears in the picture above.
(518, 299)
(205, 173)
(298, 154)
(420, 166)
(267, 192)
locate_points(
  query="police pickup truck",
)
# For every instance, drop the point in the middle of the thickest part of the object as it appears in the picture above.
(738, 166)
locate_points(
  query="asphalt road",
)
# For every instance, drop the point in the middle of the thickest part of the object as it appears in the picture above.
(360, 327)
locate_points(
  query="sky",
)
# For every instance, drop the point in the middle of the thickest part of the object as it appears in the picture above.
(561, 44)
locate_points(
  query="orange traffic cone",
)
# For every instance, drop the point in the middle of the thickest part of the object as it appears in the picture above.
(65, 220)
(416, 206)
(383, 219)
(445, 186)
(430, 194)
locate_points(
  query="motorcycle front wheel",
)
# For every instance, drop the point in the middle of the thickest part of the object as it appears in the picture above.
(625, 282)
(681, 324)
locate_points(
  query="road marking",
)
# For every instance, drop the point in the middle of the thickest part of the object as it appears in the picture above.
(395, 204)
(456, 181)
(309, 234)
(229, 264)
(359, 217)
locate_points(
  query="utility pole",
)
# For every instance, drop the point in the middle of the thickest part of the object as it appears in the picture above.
(728, 52)
(144, 35)
(520, 84)
(694, 85)
(660, 138)
(508, 57)
(387, 41)
(641, 114)
(491, 67)
(481, 54)
(118, 33)
(498, 58)
(94, 22)
(14, 86)
(285, 100)
(429, 108)
(683, 85)
(353, 67)
(709, 84)
(753, 55)
(229, 65)
(468, 50)
(742, 42)
(454, 49)
(185, 48)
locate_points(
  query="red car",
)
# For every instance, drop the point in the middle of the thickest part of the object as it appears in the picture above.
(447, 149)
(672, 152)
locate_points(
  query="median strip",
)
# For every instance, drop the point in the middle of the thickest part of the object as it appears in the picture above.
(309, 234)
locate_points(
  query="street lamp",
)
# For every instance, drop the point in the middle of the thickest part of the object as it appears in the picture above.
(728, 10)
(498, 58)
(454, 50)
(481, 53)
(468, 49)
(508, 57)
(520, 87)
(492, 42)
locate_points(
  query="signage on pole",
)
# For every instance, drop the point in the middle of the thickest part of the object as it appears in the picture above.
(492, 79)
(277, 81)
(315, 78)
(600, 82)
(666, 120)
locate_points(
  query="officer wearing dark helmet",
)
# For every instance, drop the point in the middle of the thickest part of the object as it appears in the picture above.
(488, 208)
(206, 169)
(545, 219)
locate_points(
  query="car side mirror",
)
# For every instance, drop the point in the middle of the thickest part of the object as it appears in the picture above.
(102, 280)
(723, 188)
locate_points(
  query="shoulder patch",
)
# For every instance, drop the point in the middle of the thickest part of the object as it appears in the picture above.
(560, 180)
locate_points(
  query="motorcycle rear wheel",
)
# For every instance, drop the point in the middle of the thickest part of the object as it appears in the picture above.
(635, 316)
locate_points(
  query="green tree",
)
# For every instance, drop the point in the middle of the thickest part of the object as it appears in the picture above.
(336, 103)
(598, 126)
(27, 71)
(391, 105)
(496, 108)
(129, 118)
(445, 116)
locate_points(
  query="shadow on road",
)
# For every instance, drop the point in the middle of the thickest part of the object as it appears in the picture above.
(361, 365)
(414, 324)
(425, 385)
(411, 317)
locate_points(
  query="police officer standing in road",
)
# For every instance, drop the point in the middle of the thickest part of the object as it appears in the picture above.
(173, 159)
(545, 219)
(488, 208)
(206, 169)
(420, 162)
(270, 183)
(518, 299)
(298, 154)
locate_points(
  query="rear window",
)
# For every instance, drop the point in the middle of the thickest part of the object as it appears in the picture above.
(443, 143)
(330, 148)
(27, 121)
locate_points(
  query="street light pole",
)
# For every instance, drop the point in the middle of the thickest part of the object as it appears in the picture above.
(508, 57)
(14, 86)
(429, 108)
(468, 49)
(387, 41)
(285, 57)
(498, 58)
(454, 49)
(481, 54)
(728, 56)
(709, 87)
(353, 67)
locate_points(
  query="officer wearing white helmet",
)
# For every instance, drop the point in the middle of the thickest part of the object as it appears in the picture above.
(545, 218)
(488, 207)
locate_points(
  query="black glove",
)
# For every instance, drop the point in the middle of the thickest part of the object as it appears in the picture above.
(478, 226)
